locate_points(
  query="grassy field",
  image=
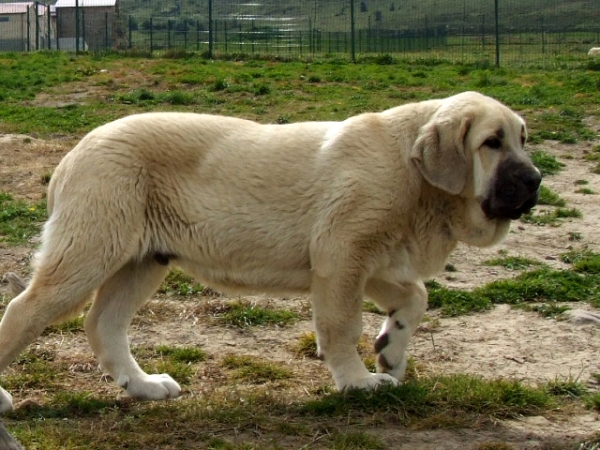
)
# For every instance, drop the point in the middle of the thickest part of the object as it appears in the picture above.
(238, 401)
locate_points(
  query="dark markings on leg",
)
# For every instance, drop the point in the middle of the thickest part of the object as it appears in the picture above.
(399, 325)
(384, 363)
(381, 342)
(391, 312)
(163, 259)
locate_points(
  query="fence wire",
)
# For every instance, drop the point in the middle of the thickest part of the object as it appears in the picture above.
(496, 31)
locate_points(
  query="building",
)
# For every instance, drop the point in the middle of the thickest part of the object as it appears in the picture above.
(24, 26)
(95, 29)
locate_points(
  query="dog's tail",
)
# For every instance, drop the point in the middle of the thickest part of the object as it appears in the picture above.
(16, 284)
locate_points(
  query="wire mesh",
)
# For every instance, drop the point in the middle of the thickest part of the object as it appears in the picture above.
(493, 31)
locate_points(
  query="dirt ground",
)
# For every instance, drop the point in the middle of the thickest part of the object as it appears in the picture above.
(503, 342)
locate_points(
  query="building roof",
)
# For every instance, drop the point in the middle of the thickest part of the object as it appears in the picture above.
(15, 8)
(84, 3)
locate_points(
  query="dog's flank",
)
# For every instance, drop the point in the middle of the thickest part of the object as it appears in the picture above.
(367, 207)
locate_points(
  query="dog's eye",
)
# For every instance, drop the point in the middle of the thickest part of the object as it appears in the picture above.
(493, 142)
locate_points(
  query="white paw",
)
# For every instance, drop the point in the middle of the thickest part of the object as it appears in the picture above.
(372, 381)
(6, 403)
(150, 387)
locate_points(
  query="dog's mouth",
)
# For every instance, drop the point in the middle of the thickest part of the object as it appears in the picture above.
(508, 210)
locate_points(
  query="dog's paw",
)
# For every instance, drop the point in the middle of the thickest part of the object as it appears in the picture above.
(372, 381)
(150, 387)
(6, 403)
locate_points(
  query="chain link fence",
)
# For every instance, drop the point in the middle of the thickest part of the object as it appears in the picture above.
(493, 31)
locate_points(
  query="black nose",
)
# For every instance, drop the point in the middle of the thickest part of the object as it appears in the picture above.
(531, 179)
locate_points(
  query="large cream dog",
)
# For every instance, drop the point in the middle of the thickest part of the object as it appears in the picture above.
(370, 206)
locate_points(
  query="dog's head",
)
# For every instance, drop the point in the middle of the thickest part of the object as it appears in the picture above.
(473, 147)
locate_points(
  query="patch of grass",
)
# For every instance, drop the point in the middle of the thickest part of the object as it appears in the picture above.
(74, 325)
(372, 308)
(585, 191)
(575, 236)
(548, 310)
(454, 394)
(513, 262)
(247, 314)
(593, 402)
(542, 285)
(549, 197)
(182, 354)
(254, 370)
(37, 369)
(575, 255)
(546, 162)
(552, 217)
(450, 268)
(181, 284)
(45, 178)
(19, 220)
(456, 302)
(355, 441)
(566, 388)
(176, 361)
(305, 345)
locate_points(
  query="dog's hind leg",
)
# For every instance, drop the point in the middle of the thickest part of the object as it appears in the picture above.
(107, 323)
(42, 303)
(405, 305)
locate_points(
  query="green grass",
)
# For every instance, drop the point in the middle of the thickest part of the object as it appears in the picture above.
(179, 362)
(549, 197)
(20, 220)
(513, 262)
(182, 354)
(245, 314)
(542, 285)
(547, 163)
(254, 370)
(461, 395)
(585, 191)
(276, 92)
(180, 284)
(552, 217)
(73, 420)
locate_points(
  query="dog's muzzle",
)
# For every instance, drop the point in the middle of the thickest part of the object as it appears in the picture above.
(515, 191)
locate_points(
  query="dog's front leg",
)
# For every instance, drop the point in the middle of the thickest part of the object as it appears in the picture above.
(337, 311)
(405, 304)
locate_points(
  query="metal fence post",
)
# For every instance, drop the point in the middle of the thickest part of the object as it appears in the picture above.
(210, 29)
(105, 31)
(49, 24)
(28, 32)
(352, 32)
(37, 26)
(151, 37)
(497, 33)
(130, 31)
(76, 26)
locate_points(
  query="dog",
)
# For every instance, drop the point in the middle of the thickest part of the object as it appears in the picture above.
(594, 51)
(367, 207)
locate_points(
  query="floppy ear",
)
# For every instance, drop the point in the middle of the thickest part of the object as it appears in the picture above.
(439, 153)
